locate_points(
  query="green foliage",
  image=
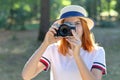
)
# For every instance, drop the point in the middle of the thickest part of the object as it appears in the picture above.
(113, 4)
(117, 8)
(56, 5)
(104, 5)
(15, 13)
(20, 15)
(27, 10)
(78, 2)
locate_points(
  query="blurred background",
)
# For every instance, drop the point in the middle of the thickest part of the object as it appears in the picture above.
(23, 24)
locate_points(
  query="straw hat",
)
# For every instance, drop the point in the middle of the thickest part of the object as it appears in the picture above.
(75, 11)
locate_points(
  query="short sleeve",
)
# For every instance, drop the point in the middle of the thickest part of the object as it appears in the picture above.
(45, 59)
(99, 61)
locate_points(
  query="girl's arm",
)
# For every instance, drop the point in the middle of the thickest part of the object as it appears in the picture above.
(95, 74)
(33, 65)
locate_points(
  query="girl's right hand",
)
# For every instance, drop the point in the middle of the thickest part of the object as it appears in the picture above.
(50, 36)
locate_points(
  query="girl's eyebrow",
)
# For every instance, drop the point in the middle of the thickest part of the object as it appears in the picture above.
(77, 22)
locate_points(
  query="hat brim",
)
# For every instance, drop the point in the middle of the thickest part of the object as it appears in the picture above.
(89, 21)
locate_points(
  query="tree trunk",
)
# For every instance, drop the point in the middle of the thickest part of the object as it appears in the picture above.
(100, 5)
(44, 20)
(109, 9)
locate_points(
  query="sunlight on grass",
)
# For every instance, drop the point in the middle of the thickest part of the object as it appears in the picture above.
(3, 50)
(18, 50)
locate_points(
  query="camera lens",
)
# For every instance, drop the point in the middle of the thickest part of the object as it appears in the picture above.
(64, 30)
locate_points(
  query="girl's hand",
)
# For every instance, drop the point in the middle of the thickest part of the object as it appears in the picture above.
(74, 40)
(50, 36)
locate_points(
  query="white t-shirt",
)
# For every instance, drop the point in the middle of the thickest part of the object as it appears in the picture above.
(65, 68)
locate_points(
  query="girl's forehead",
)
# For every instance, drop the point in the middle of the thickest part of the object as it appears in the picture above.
(72, 19)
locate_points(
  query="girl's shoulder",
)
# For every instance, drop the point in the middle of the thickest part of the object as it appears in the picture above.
(95, 50)
(98, 50)
(54, 45)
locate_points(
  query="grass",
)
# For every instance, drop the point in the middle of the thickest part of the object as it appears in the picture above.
(14, 52)
(17, 47)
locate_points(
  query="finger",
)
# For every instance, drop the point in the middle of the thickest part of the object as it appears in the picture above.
(51, 33)
(74, 42)
(69, 37)
(55, 25)
(53, 30)
(57, 39)
(56, 28)
(70, 41)
(74, 33)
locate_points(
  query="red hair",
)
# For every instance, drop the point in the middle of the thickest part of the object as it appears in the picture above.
(87, 40)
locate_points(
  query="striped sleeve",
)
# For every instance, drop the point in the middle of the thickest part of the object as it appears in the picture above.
(46, 58)
(46, 62)
(99, 61)
(99, 66)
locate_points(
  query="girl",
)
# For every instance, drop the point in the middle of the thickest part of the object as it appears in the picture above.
(75, 57)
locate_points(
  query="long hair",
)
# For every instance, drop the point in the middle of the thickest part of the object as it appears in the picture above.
(88, 41)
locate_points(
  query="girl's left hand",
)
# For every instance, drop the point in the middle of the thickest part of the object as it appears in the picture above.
(74, 40)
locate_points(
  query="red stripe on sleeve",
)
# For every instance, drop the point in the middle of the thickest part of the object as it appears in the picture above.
(45, 63)
(99, 67)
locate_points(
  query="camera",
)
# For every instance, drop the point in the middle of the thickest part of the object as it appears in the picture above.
(65, 29)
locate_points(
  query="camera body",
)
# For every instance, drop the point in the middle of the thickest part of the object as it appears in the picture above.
(65, 29)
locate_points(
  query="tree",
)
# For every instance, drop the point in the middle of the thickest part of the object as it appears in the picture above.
(91, 7)
(78, 2)
(44, 20)
(56, 5)
(108, 1)
(117, 8)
